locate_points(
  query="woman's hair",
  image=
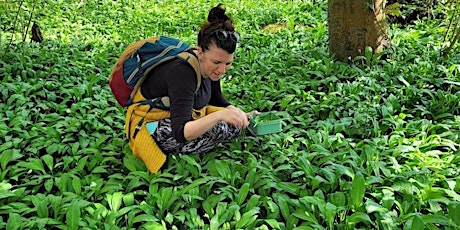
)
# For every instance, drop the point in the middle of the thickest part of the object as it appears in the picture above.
(218, 30)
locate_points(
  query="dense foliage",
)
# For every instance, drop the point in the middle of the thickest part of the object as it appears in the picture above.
(369, 145)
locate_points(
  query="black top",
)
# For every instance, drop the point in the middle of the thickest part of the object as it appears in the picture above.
(177, 80)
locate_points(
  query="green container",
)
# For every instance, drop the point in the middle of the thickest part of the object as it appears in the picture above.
(264, 123)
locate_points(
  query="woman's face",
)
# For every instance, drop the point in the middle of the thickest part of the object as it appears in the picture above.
(214, 62)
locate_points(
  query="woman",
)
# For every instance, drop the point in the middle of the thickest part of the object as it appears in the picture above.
(197, 119)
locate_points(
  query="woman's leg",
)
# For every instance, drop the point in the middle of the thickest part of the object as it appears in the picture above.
(221, 132)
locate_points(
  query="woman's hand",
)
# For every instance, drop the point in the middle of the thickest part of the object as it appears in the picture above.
(246, 121)
(235, 117)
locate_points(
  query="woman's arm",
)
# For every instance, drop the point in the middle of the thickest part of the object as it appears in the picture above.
(232, 116)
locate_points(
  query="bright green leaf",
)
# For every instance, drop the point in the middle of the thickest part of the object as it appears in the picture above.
(115, 200)
(358, 188)
(76, 185)
(48, 159)
(338, 199)
(128, 199)
(73, 216)
(417, 223)
(13, 222)
(329, 214)
(248, 218)
(243, 193)
(274, 223)
(358, 217)
(454, 212)
(33, 164)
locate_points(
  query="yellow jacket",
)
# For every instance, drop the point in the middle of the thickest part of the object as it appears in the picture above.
(143, 145)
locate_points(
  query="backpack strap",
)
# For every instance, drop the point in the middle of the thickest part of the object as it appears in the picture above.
(152, 104)
(193, 61)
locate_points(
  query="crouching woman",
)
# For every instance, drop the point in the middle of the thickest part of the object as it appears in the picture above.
(181, 118)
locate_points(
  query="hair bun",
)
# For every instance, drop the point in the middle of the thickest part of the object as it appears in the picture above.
(217, 14)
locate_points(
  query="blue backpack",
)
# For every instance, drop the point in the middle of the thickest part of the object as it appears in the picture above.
(139, 58)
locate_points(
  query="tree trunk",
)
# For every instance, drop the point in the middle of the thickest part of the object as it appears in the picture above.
(354, 25)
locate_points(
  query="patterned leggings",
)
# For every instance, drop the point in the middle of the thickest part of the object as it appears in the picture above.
(221, 132)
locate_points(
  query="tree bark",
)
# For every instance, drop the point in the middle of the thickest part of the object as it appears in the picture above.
(354, 25)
